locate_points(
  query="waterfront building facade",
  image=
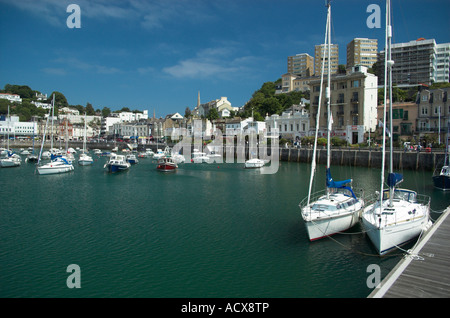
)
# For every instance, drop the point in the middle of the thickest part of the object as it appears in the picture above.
(321, 53)
(301, 65)
(362, 51)
(293, 124)
(404, 120)
(354, 98)
(15, 128)
(433, 112)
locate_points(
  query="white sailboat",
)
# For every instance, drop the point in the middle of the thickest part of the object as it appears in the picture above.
(58, 163)
(394, 216)
(85, 159)
(336, 208)
(12, 159)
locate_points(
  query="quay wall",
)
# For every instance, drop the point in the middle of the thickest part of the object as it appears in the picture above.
(367, 158)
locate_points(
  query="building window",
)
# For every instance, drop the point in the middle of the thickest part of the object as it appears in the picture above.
(424, 111)
(355, 120)
(355, 83)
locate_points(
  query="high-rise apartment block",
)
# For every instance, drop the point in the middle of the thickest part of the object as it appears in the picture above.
(417, 62)
(362, 51)
(301, 65)
(442, 62)
(321, 53)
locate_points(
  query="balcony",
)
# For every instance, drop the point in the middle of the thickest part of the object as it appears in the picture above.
(340, 101)
(354, 112)
(355, 100)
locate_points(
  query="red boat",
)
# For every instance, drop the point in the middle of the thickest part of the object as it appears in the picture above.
(166, 164)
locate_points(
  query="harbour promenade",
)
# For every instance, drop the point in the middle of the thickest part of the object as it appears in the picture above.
(424, 273)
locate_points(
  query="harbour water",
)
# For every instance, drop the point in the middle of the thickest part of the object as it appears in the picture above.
(205, 231)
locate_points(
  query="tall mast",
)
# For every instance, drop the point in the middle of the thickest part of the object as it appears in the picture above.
(313, 161)
(53, 115)
(327, 90)
(390, 63)
(383, 158)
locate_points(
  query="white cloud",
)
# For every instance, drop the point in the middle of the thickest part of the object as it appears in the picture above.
(149, 14)
(54, 71)
(88, 67)
(224, 60)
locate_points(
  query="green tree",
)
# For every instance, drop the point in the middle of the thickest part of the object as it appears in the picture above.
(187, 112)
(213, 114)
(89, 109)
(60, 100)
(106, 111)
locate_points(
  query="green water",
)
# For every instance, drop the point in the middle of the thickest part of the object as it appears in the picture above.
(207, 230)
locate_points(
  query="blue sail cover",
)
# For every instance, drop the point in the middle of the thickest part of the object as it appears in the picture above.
(53, 157)
(339, 184)
(394, 179)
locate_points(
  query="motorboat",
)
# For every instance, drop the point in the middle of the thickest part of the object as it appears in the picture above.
(117, 163)
(254, 163)
(84, 159)
(131, 158)
(166, 164)
(199, 157)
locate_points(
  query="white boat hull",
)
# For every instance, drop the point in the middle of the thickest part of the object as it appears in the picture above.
(254, 163)
(387, 237)
(9, 163)
(54, 169)
(327, 216)
(320, 228)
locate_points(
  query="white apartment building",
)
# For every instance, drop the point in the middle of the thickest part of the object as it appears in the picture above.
(222, 105)
(293, 124)
(17, 128)
(419, 62)
(11, 97)
(442, 62)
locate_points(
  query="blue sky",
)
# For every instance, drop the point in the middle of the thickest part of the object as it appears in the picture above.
(157, 55)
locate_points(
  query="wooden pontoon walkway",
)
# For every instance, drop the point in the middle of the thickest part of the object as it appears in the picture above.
(425, 273)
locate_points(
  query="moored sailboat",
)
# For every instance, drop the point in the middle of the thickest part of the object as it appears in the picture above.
(58, 163)
(394, 216)
(441, 177)
(336, 208)
(12, 159)
(85, 159)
